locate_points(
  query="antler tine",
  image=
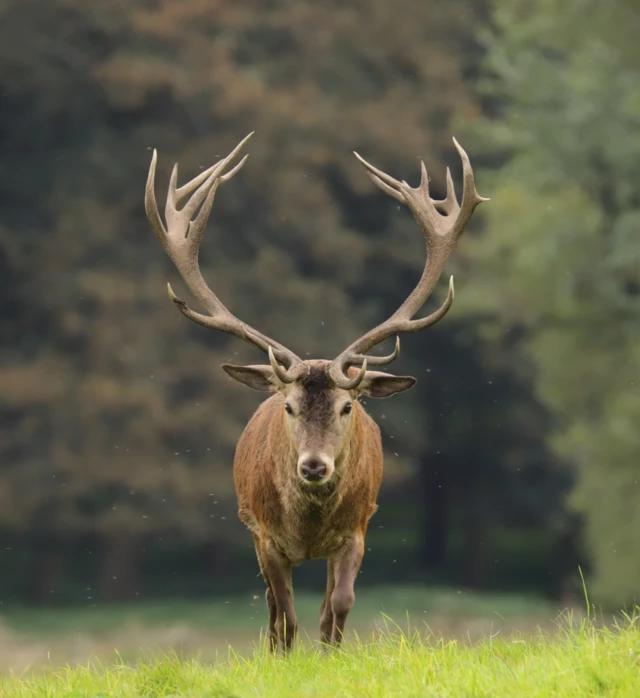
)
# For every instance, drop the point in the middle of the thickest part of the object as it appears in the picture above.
(150, 204)
(280, 373)
(381, 179)
(442, 223)
(189, 187)
(181, 239)
(470, 196)
(449, 205)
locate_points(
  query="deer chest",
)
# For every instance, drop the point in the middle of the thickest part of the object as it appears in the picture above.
(312, 532)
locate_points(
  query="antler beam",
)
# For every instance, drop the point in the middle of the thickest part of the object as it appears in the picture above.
(181, 239)
(442, 223)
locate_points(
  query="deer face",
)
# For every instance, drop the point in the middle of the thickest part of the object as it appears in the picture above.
(318, 415)
(319, 418)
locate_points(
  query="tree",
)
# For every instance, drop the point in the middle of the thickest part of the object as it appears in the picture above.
(558, 261)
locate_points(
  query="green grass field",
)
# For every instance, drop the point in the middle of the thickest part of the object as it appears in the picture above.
(402, 642)
(584, 662)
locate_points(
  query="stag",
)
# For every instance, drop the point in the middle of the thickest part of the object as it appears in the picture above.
(308, 465)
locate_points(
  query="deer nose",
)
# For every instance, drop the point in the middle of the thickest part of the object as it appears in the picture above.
(313, 469)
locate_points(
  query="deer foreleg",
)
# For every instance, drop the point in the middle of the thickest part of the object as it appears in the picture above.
(278, 569)
(326, 612)
(346, 564)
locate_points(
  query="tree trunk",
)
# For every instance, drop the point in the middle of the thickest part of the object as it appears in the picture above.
(434, 503)
(48, 573)
(477, 545)
(215, 552)
(121, 569)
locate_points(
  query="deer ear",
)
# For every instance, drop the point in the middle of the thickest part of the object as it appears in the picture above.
(256, 377)
(378, 384)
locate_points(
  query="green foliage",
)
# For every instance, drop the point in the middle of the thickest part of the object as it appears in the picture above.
(558, 262)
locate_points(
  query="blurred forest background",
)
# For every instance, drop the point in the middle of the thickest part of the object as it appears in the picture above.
(517, 456)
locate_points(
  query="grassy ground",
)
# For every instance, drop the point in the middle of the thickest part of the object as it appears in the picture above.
(583, 661)
(440, 643)
(44, 640)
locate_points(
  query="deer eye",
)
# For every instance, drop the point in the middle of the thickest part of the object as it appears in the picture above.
(347, 408)
(287, 408)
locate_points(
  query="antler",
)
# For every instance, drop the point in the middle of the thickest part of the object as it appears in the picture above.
(442, 223)
(181, 241)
